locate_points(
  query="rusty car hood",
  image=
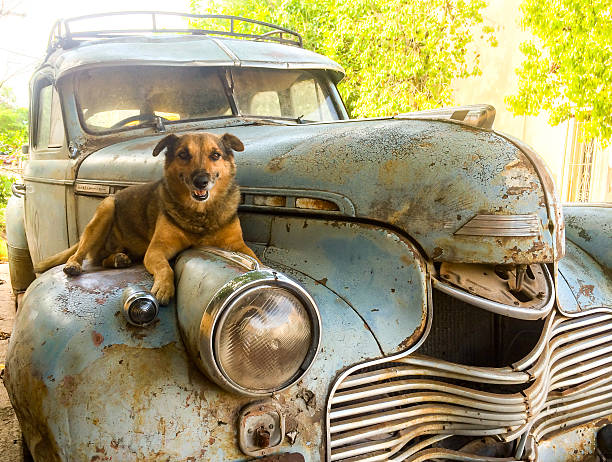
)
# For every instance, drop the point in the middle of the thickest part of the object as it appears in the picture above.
(427, 179)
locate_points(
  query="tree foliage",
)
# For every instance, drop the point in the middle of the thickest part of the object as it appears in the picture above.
(568, 67)
(13, 124)
(399, 55)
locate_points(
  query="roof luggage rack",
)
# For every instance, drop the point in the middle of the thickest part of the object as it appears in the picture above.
(64, 33)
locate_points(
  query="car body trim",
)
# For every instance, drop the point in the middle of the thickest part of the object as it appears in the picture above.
(501, 225)
(500, 308)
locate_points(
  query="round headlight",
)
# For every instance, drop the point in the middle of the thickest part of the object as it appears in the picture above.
(263, 339)
(259, 334)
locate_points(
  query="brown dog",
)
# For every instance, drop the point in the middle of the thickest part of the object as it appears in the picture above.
(195, 203)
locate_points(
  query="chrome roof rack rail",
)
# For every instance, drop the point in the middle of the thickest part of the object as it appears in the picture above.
(64, 35)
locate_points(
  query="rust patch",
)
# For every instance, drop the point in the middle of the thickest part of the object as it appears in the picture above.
(587, 290)
(437, 252)
(584, 235)
(321, 281)
(521, 163)
(406, 261)
(28, 391)
(97, 338)
(416, 335)
(288, 457)
(276, 164)
(69, 385)
(520, 190)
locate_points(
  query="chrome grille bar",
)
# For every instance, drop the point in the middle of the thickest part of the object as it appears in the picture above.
(566, 380)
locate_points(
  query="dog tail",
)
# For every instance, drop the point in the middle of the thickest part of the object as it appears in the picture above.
(56, 259)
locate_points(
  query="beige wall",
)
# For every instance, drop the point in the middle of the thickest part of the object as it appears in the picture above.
(499, 80)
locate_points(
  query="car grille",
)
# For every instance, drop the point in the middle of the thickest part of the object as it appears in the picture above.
(402, 410)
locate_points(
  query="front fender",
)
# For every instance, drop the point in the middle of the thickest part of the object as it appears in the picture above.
(20, 261)
(86, 384)
(586, 270)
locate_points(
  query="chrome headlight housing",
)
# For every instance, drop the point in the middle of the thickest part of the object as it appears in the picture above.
(259, 334)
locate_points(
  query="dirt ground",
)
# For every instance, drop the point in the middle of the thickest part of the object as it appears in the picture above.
(10, 435)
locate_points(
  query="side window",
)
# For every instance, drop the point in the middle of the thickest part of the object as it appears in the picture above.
(49, 124)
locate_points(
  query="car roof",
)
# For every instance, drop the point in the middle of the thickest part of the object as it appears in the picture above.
(187, 50)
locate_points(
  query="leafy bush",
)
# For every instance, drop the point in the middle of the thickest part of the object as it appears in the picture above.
(399, 55)
(567, 68)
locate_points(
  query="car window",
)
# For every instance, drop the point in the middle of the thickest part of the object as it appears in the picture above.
(49, 123)
(117, 98)
(288, 94)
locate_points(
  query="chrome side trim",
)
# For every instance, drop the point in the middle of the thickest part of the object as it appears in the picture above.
(35, 179)
(501, 225)
(500, 308)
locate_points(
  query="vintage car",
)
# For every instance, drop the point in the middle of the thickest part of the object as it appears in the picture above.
(421, 293)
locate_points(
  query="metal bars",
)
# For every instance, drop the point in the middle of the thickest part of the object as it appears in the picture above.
(62, 31)
(383, 413)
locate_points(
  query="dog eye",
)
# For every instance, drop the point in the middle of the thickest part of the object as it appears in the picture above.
(215, 156)
(184, 155)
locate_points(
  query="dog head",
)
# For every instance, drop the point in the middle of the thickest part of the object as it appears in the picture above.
(200, 166)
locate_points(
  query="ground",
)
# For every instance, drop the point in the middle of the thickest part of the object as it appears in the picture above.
(10, 435)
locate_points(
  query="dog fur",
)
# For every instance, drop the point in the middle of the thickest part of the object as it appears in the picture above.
(160, 219)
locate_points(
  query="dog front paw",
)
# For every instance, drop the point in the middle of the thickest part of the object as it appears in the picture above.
(163, 290)
(73, 269)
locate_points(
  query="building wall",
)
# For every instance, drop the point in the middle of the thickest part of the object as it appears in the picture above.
(498, 80)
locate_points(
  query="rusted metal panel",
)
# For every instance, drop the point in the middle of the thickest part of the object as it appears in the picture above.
(428, 178)
(590, 227)
(86, 384)
(589, 282)
(378, 273)
(191, 51)
(577, 444)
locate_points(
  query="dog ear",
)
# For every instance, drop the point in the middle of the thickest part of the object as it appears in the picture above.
(232, 142)
(166, 142)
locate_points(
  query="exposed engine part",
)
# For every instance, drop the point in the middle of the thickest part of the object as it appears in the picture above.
(523, 286)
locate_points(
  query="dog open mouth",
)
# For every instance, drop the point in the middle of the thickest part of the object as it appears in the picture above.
(200, 194)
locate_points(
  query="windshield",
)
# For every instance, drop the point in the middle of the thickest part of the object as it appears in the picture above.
(115, 98)
(119, 98)
(297, 95)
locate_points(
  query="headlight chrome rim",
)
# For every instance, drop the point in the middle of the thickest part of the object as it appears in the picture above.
(219, 309)
(130, 296)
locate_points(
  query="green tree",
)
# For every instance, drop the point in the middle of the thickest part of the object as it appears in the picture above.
(568, 66)
(399, 55)
(13, 124)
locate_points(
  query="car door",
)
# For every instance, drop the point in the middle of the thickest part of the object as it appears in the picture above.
(47, 173)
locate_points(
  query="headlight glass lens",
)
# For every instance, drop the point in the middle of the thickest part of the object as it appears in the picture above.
(264, 339)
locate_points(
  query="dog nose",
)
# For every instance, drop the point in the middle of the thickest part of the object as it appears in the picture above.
(201, 181)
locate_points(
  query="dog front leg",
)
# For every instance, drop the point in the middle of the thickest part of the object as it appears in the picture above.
(167, 241)
(94, 236)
